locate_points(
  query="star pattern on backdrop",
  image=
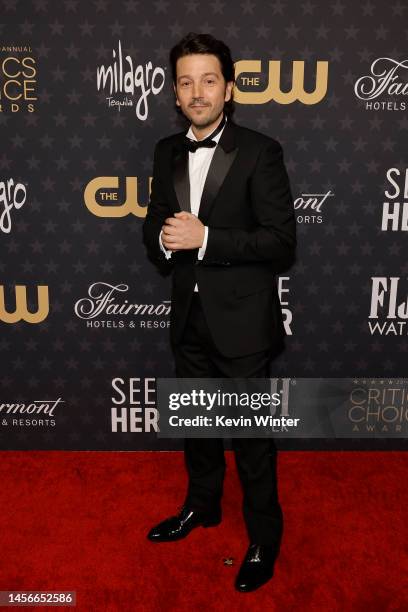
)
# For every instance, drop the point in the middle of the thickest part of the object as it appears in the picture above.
(73, 137)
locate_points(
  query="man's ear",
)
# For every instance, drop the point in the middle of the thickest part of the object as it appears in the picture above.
(175, 92)
(228, 91)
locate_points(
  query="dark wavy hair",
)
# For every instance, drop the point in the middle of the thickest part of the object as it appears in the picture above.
(205, 43)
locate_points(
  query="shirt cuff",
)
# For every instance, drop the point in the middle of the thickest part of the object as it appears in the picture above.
(201, 250)
(167, 252)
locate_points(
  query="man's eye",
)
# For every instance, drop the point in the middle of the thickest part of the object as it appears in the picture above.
(210, 81)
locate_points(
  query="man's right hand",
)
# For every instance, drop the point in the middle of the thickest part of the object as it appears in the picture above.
(165, 227)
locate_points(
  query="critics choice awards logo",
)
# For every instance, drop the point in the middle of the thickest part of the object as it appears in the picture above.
(378, 406)
(18, 79)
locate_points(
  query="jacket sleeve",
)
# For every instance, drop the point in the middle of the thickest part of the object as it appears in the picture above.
(273, 237)
(158, 210)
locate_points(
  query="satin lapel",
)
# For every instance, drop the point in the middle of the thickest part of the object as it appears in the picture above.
(181, 178)
(218, 170)
(221, 162)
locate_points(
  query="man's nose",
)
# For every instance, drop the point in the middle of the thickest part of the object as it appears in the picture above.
(197, 90)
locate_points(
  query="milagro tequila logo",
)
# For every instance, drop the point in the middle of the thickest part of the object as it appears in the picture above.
(12, 195)
(102, 309)
(122, 77)
(388, 78)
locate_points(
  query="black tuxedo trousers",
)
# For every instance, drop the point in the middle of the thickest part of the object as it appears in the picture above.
(196, 356)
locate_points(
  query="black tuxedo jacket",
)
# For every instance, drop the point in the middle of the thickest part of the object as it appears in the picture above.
(248, 208)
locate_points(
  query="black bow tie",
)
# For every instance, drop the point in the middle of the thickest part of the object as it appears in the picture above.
(193, 145)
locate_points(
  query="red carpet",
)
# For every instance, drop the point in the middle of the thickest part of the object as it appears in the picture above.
(77, 521)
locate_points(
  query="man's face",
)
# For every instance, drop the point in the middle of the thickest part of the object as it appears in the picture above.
(201, 90)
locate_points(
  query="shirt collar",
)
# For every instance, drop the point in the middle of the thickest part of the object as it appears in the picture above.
(190, 133)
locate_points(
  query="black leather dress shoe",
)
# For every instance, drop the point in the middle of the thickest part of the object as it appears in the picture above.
(257, 567)
(178, 527)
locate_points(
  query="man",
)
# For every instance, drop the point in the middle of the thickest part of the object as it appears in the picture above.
(221, 215)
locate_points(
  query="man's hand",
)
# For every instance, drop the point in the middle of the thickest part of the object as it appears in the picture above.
(183, 231)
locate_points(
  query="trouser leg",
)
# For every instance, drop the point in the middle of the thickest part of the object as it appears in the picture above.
(204, 457)
(256, 460)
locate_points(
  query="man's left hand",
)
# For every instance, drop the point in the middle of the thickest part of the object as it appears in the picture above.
(183, 231)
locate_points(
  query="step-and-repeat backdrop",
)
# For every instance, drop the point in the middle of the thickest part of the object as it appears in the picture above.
(85, 93)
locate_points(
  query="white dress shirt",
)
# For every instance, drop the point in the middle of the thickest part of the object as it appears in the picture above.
(198, 165)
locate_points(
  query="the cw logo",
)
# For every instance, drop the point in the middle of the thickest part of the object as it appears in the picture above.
(21, 312)
(102, 184)
(273, 91)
